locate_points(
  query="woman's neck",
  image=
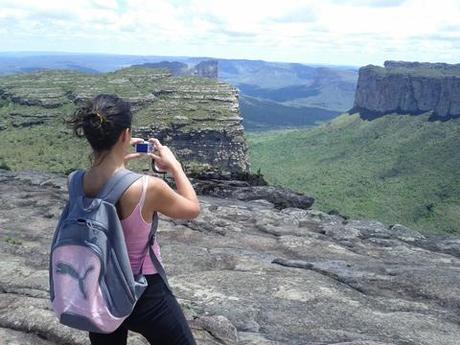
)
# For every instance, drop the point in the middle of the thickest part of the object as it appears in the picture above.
(107, 164)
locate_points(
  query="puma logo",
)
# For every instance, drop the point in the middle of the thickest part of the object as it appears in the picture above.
(68, 269)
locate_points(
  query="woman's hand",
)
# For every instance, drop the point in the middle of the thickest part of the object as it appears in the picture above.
(164, 158)
(133, 155)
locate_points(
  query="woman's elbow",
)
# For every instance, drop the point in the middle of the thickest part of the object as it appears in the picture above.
(195, 210)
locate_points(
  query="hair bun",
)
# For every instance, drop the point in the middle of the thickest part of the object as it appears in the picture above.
(101, 121)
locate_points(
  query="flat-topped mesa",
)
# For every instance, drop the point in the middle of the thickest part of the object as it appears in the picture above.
(408, 88)
(198, 118)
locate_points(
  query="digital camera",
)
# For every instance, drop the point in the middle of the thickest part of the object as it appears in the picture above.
(148, 147)
(145, 147)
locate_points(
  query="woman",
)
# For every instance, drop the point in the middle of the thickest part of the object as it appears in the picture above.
(106, 123)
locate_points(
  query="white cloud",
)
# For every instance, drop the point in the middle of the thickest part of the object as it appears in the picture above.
(348, 32)
(110, 4)
(370, 3)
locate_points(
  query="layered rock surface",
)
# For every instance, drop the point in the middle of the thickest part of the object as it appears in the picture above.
(246, 272)
(408, 88)
(199, 117)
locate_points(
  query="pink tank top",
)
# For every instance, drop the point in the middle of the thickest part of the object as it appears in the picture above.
(136, 231)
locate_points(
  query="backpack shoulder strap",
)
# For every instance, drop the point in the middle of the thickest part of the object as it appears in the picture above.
(75, 184)
(149, 251)
(117, 185)
(153, 257)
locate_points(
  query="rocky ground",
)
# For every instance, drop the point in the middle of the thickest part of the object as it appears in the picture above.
(247, 272)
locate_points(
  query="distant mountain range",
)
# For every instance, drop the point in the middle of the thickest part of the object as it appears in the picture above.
(293, 84)
(296, 94)
(205, 69)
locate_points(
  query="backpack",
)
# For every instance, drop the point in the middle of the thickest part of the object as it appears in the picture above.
(92, 286)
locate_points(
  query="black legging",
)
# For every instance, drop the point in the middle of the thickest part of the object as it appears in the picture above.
(157, 316)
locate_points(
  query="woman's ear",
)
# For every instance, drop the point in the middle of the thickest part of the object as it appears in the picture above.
(125, 136)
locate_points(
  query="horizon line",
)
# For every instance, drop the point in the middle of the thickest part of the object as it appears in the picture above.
(44, 52)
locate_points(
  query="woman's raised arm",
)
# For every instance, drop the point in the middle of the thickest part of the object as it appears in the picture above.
(182, 203)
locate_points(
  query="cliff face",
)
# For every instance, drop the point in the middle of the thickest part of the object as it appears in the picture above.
(409, 88)
(198, 118)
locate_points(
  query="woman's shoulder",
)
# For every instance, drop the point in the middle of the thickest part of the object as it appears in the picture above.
(154, 183)
(157, 190)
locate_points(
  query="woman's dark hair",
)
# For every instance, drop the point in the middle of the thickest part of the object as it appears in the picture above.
(101, 120)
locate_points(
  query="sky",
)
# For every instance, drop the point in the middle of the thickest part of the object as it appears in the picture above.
(337, 32)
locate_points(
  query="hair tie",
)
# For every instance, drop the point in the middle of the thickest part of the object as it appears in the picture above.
(101, 118)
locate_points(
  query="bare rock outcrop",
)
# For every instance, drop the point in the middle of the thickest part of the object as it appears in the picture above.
(246, 273)
(408, 88)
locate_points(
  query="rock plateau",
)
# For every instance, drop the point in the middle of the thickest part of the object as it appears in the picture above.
(199, 117)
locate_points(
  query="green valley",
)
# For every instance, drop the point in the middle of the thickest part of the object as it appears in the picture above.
(396, 168)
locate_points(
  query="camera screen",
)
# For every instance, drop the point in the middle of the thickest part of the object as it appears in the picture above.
(143, 148)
